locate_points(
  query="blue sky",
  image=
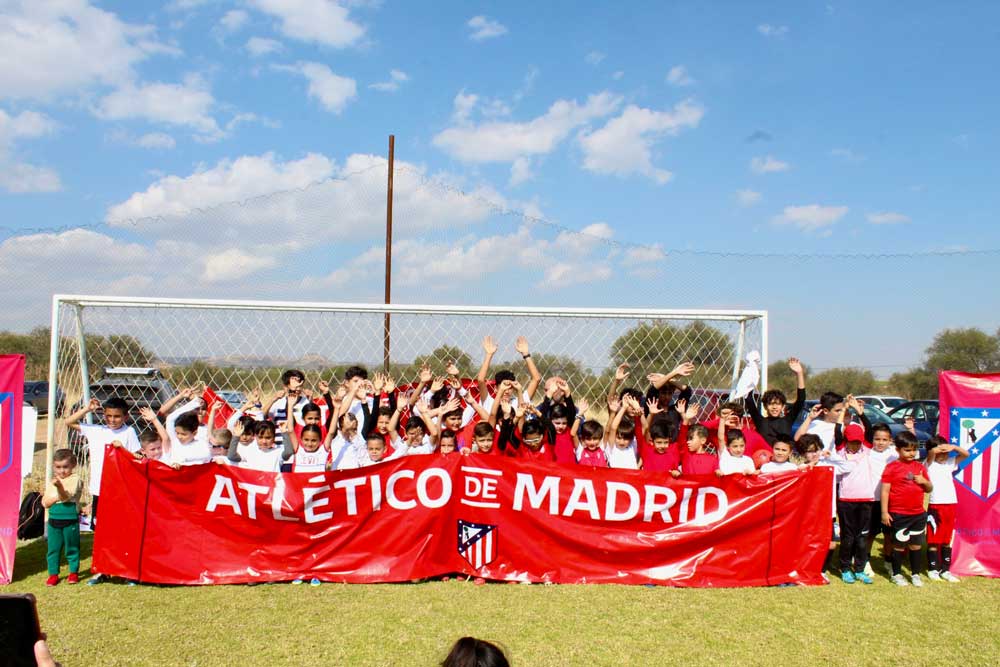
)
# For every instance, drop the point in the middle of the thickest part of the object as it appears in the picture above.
(798, 127)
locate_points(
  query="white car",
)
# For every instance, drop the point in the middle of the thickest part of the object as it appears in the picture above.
(884, 403)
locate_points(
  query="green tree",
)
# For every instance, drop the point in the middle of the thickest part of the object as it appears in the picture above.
(971, 350)
(34, 346)
(914, 383)
(780, 376)
(659, 347)
(438, 361)
(844, 381)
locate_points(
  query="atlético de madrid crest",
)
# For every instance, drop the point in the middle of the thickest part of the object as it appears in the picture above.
(477, 542)
(977, 430)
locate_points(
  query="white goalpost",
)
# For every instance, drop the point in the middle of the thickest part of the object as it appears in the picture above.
(238, 346)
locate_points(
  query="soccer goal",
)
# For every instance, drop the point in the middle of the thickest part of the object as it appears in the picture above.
(145, 348)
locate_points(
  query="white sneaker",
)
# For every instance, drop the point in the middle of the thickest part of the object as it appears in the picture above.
(948, 576)
(868, 569)
(899, 580)
(933, 575)
(916, 580)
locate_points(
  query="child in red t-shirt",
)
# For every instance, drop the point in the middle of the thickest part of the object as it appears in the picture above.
(589, 447)
(903, 489)
(660, 455)
(697, 460)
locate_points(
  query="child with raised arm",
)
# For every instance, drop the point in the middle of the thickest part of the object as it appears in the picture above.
(490, 348)
(942, 460)
(310, 451)
(823, 418)
(903, 489)
(184, 446)
(287, 403)
(659, 452)
(778, 415)
(697, 460)
(590, 444)
(265, 455)
(99, 436)
(152, 443)
(484, 438)
(622, 450)
(62, 500)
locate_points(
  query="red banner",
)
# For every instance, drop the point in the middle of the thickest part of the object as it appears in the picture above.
(222, 414)
(970, 418)
(486, 516)
(11, 400)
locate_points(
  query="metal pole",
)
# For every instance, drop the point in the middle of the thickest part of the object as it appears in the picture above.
(50, 426)
(764, 357)
(81, 344)
(388, 254)
(739, 353)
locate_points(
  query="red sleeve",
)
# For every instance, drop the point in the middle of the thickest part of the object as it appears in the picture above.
(640, 439)
(682, 439)
(890, 474)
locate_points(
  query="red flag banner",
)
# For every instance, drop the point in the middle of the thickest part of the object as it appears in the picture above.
(970, 418)
(485, 516)
(11, 400)
(222, 414)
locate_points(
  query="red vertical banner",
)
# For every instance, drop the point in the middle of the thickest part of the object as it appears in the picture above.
(224, 412)
(970, 418)
(11, 400)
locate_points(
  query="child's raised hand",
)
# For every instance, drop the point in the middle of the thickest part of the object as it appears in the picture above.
(521, 345)
(237, 429)
(814, 412)
(489, 345)
(437, 384)
(94, 405)
(425, 374)
(582, 406)
(654, 406)
(148, 414)
(691, 412)
(656, 379)
(621, 372)
(285, 426)
(452, 404)
(280, 394)
(516, 385)
(519, 411)
(390, 384)
(613, 404)
(187, 393)
(910, 423)
(378, 381)
(452, 369)
(563, 387)
(455, 383)
(685, 369)
(795, 365)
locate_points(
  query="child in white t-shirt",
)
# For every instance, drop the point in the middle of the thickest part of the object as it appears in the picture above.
(265, 455)
(942, 460)
(732, 460)
(621, 448)
(780, 458)
(99, 436)
(184, 445)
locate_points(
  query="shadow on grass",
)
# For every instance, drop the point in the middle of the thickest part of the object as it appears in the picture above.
(30, 557)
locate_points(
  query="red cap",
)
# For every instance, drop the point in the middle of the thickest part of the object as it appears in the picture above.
(854, 433)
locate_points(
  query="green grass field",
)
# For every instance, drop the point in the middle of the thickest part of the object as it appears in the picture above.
(414, 624)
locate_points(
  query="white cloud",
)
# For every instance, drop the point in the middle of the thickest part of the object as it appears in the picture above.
(233, 20)
(887, 218)
(618, 75)
(262, 46)
(320, 21)
(233, 264)
(156, 140)
(21, 177)
(769, 30)
(810, 217)
(396, 77)
(748, 197)
(51, 48)
(520, 171)
(566, 274)
(485, 28)
(644, 254)
(38, 254)
(186, 104)
(678, 76)
(578, 244)
(768, 165)
(506, 141)
(595, 58)
(333, 91)
(624, 145)
(847, 154)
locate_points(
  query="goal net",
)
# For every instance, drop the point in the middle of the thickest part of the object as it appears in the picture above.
(144, 349)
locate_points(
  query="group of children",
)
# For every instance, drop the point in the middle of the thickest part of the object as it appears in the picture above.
(364, 421)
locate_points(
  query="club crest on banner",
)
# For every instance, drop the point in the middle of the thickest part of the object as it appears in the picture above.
(977, 430)
(477, 542)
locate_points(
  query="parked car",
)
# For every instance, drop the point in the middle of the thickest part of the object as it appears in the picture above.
(884, 403)
(36, 393)
(924, 413)
(234, 398)
(140, 387)
(875, 416)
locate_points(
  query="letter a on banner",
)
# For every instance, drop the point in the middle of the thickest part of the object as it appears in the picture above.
(11, 400)
(970, 419)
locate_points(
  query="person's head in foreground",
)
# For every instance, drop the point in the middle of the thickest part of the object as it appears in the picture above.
(472, 652)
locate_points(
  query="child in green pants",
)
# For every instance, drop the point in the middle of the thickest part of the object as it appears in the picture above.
(62, 498)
